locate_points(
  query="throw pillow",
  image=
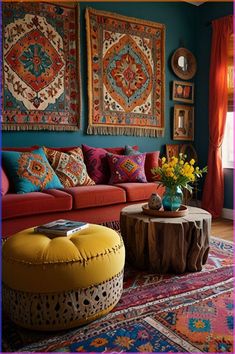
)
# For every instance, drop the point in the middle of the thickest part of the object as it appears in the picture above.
(151, 161)
(69, 167)
(129, 150)
(4, 183)
(96, 163)
(121, 150)
(126, 168)
(30, 171)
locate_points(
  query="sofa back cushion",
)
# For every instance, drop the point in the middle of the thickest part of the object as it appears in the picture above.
(126, 168)
(4, 183)
(29, 171)
(69, 167)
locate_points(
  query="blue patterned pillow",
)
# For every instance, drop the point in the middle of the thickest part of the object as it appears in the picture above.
(30, 171)
(130, 151)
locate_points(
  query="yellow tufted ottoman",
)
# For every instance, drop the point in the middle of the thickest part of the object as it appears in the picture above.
(51, 284)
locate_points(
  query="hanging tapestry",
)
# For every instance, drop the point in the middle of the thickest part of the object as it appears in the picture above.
(40, 67)
(126, 80)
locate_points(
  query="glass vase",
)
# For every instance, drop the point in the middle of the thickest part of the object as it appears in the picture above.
(172, 199)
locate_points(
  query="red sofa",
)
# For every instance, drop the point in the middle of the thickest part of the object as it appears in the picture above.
(94, 204)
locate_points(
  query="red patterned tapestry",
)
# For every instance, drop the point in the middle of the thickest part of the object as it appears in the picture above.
(125, 75)
(40, 67)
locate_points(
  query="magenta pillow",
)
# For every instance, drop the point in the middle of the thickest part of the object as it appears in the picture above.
(4, 183)
(96, 164)
(126, 168)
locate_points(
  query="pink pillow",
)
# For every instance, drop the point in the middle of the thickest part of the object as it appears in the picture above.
(126, 168)
(96, 164)
(151, 161)
(4, 183)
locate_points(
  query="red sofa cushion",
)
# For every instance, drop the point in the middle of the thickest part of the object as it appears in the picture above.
(21, 149)
(140, 191)
(4, 183)
(151, 161)
(98, 195)
(51, 200)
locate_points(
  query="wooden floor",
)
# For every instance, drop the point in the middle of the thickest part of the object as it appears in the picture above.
(223, 228)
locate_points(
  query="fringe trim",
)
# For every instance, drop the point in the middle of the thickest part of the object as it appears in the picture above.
(149, 132)
(39, 127)
(115, 225)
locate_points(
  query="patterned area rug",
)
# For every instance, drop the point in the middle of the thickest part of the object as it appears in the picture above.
(192, 312)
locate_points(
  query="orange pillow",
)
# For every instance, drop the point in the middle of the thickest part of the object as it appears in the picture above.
(69, 167)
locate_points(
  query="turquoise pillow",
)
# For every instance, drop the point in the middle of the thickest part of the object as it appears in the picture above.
(30, 171)
(130, 151)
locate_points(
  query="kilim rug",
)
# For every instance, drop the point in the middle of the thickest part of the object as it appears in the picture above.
(125, 75)
(192, 312)
(40, 67)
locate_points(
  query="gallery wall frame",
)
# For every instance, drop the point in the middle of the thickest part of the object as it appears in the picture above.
(183, 91)
(183, 127)
(172, 150)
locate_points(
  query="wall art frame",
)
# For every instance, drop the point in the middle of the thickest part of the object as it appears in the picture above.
(183, 91)
(126, 75)
(172, 150)
(41, 66)
(183, 127)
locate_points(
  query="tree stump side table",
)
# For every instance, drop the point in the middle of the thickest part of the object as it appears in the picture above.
(166, 245)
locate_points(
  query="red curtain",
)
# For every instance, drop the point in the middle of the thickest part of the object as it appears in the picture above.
(213, 191)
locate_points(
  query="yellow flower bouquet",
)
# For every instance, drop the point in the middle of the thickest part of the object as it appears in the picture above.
(176, 175)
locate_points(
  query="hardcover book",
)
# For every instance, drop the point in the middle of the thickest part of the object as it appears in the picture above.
(61, 227)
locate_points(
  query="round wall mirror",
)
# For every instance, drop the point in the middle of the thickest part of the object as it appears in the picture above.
(184, 64)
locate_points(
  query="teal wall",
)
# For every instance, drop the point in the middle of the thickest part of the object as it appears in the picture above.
(186, 25)
(206, 13)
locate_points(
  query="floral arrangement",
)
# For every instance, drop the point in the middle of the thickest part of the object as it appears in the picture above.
(177, 173)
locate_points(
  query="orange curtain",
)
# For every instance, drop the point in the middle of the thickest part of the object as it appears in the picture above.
(213, 191)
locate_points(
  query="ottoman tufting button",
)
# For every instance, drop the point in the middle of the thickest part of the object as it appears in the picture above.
(62, 282)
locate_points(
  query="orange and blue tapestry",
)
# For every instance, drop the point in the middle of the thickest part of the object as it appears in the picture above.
(40, 67)
(126, 75)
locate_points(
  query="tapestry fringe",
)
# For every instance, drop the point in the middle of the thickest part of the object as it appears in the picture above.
(148, 132)
(39, 127)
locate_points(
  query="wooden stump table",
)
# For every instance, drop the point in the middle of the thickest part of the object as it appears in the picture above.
(166, 245)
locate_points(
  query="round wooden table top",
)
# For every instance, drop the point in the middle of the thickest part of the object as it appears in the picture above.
(166, 245)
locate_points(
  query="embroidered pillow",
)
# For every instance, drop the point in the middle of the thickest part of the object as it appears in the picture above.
(126, 168)
(96, 163)
(69, 167)
(151, 161)
(30, 171)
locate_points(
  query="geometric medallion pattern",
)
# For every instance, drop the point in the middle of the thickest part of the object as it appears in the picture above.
(125, 75)
(40, 80)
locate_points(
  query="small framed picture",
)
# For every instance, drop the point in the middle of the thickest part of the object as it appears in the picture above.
(183, 128)
(172, 150)
(183, 91)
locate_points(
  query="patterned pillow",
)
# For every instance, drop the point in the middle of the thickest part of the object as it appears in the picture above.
(129, 150)
(69, 167)
(96, 163)
(126, 168)
(30, 171)
(151, 161)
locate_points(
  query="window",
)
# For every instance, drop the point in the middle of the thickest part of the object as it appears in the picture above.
(227, 146)
(228, 142)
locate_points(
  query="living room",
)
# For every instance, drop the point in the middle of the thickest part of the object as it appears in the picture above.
(60, 120)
